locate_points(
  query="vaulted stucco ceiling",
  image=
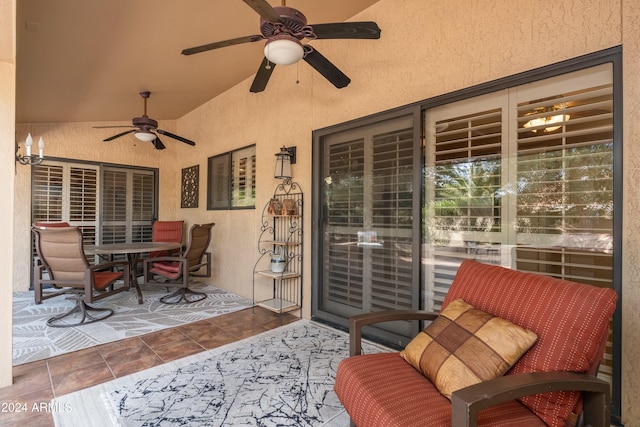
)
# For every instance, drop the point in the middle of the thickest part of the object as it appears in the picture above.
(84, 61)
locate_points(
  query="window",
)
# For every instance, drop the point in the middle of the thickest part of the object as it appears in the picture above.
(232, 180)
(128, 205)
(110, 204)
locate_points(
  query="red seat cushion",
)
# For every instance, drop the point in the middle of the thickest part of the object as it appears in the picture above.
(169, 267)
(102, 279)
(384, 390)
(570, 319)
(170, 270)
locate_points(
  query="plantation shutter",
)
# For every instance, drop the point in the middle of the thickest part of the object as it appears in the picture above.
(243, 185)
(463, 185)
(565, 175)
(344, 206)
(143, 206)
(368, 222)
(47, 193)
(63, 192)
(83, 201)
(114, 206)
(392, 204)
(128, 205)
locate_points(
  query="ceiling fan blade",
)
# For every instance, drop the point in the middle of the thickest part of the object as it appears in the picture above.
(347, 30)
(158, 144)
(171, 135)
(224, 43)
(326, 68)
(262, 76)
(111, 138)
(264, 9)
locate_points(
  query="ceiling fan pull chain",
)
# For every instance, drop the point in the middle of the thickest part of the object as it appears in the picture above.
(268, 66)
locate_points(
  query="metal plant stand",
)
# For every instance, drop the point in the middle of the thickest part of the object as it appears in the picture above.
(280, 250)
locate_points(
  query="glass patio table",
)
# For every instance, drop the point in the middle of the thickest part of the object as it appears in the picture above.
(133, 252)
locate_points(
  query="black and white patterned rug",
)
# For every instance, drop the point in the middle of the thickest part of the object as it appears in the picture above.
(283, 377)
(34, 340)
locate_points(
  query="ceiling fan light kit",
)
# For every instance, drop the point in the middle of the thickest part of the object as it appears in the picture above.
(144, 136)
(283, 50)
(284, 27)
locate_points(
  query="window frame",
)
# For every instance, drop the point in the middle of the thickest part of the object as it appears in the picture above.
(227, 179)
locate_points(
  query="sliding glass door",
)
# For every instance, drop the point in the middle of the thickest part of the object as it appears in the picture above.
(524, 173)
(369, 234)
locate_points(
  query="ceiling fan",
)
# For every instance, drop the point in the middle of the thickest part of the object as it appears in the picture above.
(144, 128)
(284, 27)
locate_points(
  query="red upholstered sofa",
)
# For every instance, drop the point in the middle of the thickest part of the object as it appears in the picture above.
(551, 384)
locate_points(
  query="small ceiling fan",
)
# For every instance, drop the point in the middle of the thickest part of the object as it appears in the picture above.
(284, 27)
(144, 128)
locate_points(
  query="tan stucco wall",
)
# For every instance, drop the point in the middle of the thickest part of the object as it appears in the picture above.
(7, 126)
(427, 48)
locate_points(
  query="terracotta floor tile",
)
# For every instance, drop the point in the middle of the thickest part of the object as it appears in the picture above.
(25, 406)
(80, 378)
(244, 330)
(133, 366)
(200, 330)
(216, 340)
(177, 349)
(30, 418)
(125, 351)
(162, 337)
(27, 378)
(76, 360)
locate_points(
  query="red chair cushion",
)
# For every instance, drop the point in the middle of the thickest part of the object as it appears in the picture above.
(384, 390)
(102, 279)
(170, 270)
(169, 267)
(570, 319)
(166, 231)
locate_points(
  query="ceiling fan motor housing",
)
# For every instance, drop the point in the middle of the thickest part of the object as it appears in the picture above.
(145, 123)
(292, 21)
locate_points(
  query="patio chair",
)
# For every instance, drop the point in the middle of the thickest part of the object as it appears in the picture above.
(176, 271)
(547, 335)
(62, 263)
(39, 293)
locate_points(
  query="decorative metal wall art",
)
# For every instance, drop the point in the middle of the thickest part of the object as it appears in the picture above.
(190, 180)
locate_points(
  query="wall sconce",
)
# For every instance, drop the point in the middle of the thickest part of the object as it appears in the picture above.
(29, 159)
(284, 159)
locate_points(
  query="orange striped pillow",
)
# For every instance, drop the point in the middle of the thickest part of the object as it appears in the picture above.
(465, 346)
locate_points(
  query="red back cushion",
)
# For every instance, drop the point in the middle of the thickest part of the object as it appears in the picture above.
(167, 231)
(570, 319)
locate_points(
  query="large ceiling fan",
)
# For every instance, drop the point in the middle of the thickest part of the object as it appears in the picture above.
(144, 128)
(284, 27)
